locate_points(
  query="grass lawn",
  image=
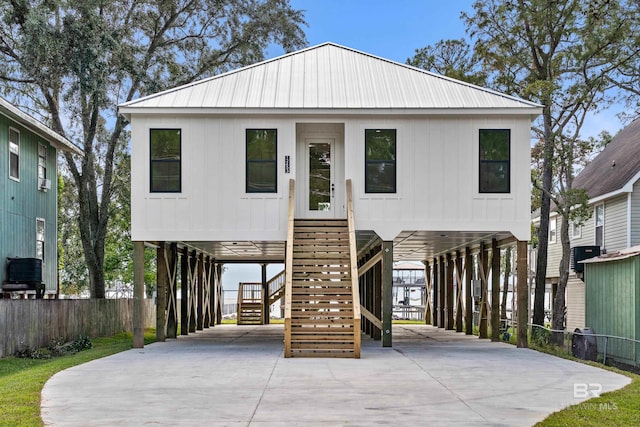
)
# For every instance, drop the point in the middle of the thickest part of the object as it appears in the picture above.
(616, 408)
(22, 380)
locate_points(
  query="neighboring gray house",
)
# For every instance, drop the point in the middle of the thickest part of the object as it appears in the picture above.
(612, 181)
(28, 198)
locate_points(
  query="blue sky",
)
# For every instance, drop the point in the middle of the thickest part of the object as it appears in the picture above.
(392, 29)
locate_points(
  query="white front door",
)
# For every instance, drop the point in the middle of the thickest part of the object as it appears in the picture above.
(320, 194)
(320, 181)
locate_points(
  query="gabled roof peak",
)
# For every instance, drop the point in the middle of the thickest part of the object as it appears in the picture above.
(616, 167)
(331, 76)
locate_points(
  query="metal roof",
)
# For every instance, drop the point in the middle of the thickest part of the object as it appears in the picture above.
(331, 77)
(57, 140)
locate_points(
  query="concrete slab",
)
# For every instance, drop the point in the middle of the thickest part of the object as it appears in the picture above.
(236, 375)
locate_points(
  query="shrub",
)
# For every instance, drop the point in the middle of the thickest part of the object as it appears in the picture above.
(82, 343)
(57, 347)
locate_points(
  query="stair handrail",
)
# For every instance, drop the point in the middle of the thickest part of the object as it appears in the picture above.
(355, 291)
(288, 265)
(275, 284)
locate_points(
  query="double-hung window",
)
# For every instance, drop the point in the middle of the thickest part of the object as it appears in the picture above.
(40, 237)
(599, 220)
(262, 165)
(14, 154)
(495, 161)
(42, 164)
(380, 160)
(576, 230)
(553, 230)
(166, 165)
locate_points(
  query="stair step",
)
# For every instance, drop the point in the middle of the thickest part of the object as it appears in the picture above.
(320, 270)
(321, 222)
(322, 323)
(322, 345)
(306, 298)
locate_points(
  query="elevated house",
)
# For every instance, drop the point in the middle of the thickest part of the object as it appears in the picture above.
(337, 163)
(612, 183)
(28, 203)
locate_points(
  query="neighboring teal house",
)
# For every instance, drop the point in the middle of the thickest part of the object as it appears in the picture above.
(28, 200)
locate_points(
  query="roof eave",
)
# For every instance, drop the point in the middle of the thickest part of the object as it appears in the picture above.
(33, 125)
(532, 112)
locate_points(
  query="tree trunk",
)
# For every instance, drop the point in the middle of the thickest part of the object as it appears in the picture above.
(505, 283)
(543, 231)
(559, 305)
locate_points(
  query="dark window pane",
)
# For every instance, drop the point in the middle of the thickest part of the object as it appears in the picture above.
(380, 160)
(165, 144)
(261, 144)
(380, 177)
(165, 176)
(495, 161)
(14, 166)
(261, 177)
(262, 149)
(165, 160)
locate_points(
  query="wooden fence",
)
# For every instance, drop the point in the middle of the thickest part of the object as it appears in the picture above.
(34, 323)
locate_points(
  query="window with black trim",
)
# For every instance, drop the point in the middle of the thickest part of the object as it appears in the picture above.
(14, 154)
(262, 164)
(380, 160)
(495, 161)
(165, 155)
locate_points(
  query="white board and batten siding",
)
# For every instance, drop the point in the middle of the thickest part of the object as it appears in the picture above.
(437, 122)
(437, 178)
(213, 204)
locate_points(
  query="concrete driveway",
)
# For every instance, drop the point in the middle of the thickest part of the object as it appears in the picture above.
(236, 375)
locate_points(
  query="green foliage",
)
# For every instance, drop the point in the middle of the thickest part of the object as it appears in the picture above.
(83, 342)
(564, 56)
(451, 58)
(540, 337)
(22, 379)
(57, 347)
(72, 62)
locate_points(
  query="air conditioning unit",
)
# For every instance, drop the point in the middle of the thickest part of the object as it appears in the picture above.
(24, 270)
(580, 253)
(45, 184)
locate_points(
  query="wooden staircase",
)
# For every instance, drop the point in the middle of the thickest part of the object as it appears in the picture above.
(322, 310)
(250, 304)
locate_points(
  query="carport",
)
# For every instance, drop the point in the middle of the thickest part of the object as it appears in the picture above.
(236, 375)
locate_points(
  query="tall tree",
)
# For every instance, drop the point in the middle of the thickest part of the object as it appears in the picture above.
(560, 54)
(451, 58)
(74, 61)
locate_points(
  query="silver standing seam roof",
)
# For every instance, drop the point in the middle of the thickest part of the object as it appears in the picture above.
(331, 77)
(60, 142)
